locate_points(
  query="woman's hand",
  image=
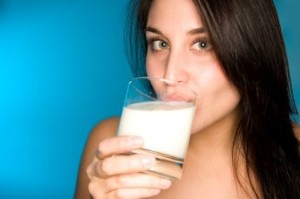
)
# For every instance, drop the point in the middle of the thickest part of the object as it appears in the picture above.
(115, 175)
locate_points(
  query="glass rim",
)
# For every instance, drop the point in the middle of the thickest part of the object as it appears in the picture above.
(163, 80)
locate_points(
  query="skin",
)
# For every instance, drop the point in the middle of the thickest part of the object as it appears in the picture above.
(188, 58)
(178, 50)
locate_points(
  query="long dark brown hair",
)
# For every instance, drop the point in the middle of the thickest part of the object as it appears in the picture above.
(247, 39)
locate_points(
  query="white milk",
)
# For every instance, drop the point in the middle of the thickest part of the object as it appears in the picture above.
(164, 126)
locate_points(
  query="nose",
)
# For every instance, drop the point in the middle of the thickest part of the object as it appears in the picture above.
(175, 67)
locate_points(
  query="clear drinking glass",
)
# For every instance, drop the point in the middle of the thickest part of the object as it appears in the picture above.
(161, 112)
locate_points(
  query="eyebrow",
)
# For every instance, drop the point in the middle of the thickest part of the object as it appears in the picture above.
(191, 32)
(153, 30)
(197, 31)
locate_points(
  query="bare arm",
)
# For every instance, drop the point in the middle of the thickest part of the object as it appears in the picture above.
(105, 129)
(110, 173)
(296, 128)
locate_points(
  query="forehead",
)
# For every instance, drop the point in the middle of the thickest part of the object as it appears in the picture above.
(170, 13)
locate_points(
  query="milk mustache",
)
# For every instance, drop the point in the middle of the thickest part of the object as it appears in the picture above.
(164, 126)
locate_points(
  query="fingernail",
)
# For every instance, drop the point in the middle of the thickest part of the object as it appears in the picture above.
(154, 191)
(164, 183)
(136, 142)
(147, 162)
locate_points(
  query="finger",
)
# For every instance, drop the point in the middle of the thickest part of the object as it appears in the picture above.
(124, 164)
(118, 145)
(92, 169)
(136, 193)
(97, 190)
(136, 180)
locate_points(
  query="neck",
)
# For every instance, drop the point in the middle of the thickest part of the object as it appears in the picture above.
(210, 157)
(210, 150)
(215, 140)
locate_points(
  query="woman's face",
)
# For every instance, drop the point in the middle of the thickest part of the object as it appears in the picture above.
(179, 50)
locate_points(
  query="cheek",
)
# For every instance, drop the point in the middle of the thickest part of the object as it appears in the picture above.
(218, 98)
(155, 65)
(149, 65)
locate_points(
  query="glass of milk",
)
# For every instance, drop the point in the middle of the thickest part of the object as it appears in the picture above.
(161, 112)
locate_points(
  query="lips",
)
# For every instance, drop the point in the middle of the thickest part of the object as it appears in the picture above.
(175, 98)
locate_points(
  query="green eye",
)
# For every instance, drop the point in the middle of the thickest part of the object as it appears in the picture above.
(159, 45)
(201, 45)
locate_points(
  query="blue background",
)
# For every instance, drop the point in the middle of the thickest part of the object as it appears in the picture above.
(62, 69)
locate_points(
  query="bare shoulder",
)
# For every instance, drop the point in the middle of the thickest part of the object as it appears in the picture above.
(296, 128)
(105, 129)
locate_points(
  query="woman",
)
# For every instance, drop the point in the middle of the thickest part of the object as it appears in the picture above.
(242, 143)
